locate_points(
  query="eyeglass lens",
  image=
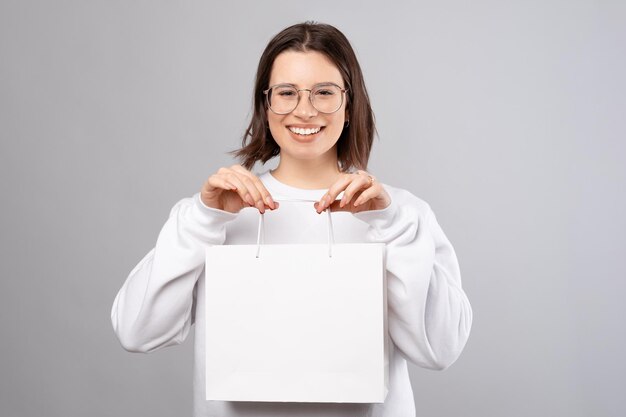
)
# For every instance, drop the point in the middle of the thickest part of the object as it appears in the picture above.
(325, 98)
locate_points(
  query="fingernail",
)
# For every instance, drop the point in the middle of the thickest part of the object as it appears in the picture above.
(343, 201)
(249, 199)
(270, 202)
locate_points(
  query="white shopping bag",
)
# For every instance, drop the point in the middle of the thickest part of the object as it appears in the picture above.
(296, 323)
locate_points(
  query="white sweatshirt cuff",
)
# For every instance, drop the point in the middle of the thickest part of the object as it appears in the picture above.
(380, 220)
(210, 211)
(208, 216)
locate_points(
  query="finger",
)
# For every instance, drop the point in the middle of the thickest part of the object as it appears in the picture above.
(370, 178)
(359, 184)
(217, 181)
(367, 195)
(318, 207)
(331, 195)
(246, 188)
(334, 207)
(242, 190)
(253, 192)
(212, 188)
(239, 180)
(265, 194)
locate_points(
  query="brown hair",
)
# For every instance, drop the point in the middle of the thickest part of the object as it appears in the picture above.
(355, 142)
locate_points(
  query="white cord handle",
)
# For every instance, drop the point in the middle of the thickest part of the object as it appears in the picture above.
(261, 231)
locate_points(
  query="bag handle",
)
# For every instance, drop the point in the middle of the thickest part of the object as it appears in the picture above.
(261, 231)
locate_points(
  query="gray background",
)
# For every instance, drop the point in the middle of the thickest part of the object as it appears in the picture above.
(507, 117)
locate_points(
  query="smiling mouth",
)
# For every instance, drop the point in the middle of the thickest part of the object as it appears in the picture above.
(305, 131)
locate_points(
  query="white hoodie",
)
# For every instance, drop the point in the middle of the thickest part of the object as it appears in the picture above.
(429, 314)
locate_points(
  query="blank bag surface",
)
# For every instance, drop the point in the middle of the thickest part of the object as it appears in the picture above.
(295, 324)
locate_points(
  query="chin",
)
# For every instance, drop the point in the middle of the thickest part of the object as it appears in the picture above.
(306, 154)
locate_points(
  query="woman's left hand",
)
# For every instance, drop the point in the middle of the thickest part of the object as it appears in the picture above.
(361, 192)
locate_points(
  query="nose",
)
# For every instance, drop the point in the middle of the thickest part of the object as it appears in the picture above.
(305, 109)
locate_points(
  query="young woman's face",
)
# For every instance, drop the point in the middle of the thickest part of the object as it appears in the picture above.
(304, 70)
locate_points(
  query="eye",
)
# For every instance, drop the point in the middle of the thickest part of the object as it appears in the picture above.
(285, 92)
(324, 92)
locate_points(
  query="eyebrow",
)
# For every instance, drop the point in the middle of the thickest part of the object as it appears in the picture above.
(314, 85)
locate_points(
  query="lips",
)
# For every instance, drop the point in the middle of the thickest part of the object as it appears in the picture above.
(305, 131)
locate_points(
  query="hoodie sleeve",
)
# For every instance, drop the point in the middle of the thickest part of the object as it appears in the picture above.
(153, 309)
(429, 314)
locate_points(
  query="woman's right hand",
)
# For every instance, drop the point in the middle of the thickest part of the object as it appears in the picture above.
(231, 189)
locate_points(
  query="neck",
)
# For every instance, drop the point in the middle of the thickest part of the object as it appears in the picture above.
(307, 174)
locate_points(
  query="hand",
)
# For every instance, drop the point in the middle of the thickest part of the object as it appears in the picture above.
(231, 189)
(361, 192)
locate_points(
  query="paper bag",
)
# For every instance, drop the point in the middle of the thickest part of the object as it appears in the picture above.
(296, 323)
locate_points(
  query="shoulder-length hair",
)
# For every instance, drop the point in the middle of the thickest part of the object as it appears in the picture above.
(355, 142)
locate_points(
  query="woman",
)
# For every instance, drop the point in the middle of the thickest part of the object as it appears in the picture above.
(311, 109)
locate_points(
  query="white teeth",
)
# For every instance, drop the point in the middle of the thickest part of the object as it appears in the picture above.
(301, 131)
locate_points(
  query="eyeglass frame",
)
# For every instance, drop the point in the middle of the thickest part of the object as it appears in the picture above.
(310, 90)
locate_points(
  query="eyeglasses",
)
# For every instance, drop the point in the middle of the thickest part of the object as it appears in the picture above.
(284, 98)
